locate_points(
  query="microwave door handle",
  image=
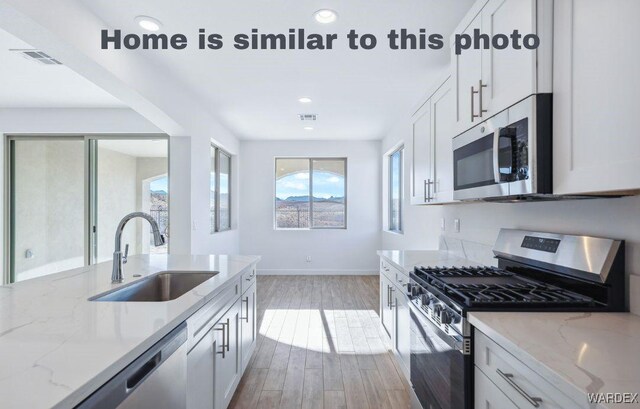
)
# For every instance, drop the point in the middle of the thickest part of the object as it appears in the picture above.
(496, 152)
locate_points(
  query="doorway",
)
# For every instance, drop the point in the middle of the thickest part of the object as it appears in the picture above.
(66, 195)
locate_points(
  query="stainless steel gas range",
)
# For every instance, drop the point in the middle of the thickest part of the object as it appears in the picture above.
(536, 272)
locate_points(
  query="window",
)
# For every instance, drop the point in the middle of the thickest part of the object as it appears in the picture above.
(311, 193)
(220, 191)
(395, 190)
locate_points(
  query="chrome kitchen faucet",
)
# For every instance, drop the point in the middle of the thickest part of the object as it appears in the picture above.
(118, 258)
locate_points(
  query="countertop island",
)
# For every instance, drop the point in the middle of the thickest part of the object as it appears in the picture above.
(57, 347)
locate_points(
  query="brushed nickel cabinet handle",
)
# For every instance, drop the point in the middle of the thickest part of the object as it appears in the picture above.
(246, 300)
(508, 377)
(228, 334)
(473, 113)
(222, 349)
(481, 111)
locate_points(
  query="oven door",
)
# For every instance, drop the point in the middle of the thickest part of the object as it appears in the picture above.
(475, 165)
(441, 375)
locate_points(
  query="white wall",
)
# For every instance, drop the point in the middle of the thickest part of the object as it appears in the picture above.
(332, 251)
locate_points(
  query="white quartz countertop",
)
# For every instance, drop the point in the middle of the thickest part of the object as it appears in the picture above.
(579, 353)
(405, 260)
(56, 347)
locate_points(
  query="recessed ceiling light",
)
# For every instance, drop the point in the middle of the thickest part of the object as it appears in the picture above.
(148, 23)
(308, 128)
(325, 16)
(304, 100)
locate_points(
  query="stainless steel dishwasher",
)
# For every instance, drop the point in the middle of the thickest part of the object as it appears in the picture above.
(155, 380)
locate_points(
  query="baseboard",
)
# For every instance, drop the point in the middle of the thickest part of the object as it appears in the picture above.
(310, 272)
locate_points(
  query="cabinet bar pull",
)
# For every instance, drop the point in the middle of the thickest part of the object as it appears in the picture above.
(228, 334)
(481, 111)
(508, 377)
(429, 183)
(222, 349)
(391, 290)
(246, 300)
(425, 190)
(473, 113)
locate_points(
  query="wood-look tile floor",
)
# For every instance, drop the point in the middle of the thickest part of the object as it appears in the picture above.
(320, 345)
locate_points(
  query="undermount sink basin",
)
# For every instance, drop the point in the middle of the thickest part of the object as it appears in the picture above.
(163, 286)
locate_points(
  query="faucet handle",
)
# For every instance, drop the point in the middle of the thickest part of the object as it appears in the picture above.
(126, 253)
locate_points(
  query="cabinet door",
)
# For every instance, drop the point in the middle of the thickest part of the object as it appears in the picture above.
(201, 362)
(467, 73)
(248, 324)
(227, 368)
(402, 326)
(421, 155)
(509, 74)
(487, 395)
(442, 113)
(596, 148)
(386, 312)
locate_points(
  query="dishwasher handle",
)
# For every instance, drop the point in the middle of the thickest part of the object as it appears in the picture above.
(118, 388)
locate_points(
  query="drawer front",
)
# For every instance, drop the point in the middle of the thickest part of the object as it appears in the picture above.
(248, 278)
(517, 381)
(396, 276)
(207, 316)
(487, 395)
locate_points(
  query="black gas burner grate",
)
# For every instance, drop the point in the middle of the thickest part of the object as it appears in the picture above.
(484, 286)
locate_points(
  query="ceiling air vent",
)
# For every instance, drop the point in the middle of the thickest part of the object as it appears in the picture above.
(308, 117)
(38, 56)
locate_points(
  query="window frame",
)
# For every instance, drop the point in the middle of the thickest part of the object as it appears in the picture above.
(217, 152)
(400, 229)
(310, 159)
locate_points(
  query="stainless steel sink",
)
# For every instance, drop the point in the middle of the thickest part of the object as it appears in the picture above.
(163, 286)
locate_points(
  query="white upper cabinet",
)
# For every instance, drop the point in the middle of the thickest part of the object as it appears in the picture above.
(467, 74)
(596, 100)
(487, 81)
(421, 178)
(443, 120)
(432, 158)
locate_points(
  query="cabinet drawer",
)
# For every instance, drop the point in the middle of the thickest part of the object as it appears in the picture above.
(206, 317)
(394, 275)
(518, 382)
(248, 278)
(486, 394)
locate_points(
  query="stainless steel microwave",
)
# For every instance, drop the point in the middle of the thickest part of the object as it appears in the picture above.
(508, 156)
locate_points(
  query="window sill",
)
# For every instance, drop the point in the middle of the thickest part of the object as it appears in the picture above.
(213, 233)
(394, 232)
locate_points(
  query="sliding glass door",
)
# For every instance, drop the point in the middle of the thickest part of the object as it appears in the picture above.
(47, 206)
(67, 195)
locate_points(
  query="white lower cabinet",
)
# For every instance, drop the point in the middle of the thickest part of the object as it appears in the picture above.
(222, 340)
(248, 328)
(227, 368)
(394, 312)
(503, 381)
(201, 361)
(487, 395)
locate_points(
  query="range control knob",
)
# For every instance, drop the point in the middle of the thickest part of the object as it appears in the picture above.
(445, 317)
(415, 291)
(437, 309)
(425, 299)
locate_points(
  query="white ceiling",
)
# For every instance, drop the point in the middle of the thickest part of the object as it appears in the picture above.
(356, 94)
(29, 84)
